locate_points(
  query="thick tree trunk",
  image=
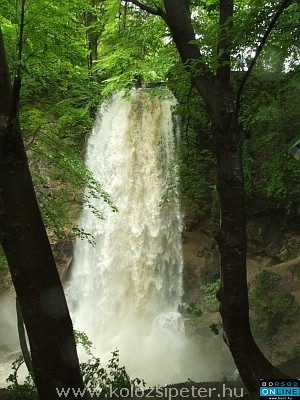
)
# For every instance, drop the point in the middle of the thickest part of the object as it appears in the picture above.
(178, 19)
(231, 238)
(30, 259)
(218, 96)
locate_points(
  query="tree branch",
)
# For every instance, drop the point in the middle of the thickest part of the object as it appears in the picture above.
(283, 6)
(22, 338)
(155, 11)
(39, 11)
(179, 22)
(34, 136)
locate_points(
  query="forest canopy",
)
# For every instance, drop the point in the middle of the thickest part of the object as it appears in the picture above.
(62, 90)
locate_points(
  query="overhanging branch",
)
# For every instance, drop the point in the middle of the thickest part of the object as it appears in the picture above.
(151, 10)
(283, 6)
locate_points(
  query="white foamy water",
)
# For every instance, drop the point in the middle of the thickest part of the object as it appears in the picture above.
(124, 292)
(9, 340)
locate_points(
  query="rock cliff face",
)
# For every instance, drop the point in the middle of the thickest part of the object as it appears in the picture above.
(273, 276)
(63, 253)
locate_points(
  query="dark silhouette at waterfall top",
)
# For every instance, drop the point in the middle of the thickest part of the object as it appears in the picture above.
(139, 82)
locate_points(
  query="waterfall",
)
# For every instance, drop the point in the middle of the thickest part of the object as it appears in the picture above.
(124, 291)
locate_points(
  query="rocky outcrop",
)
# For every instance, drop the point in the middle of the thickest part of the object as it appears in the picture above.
(63, 253)
(272, 247)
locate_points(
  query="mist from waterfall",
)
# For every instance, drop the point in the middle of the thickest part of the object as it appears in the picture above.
(125, 291)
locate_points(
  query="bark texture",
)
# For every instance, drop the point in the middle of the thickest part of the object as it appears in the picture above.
(30, 259)
(216, 90)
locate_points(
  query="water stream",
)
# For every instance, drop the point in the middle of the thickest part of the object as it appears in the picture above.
(125, 291)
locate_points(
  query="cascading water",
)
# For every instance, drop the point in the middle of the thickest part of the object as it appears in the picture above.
(125, 291)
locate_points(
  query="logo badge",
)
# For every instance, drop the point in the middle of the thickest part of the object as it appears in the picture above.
(280, 389)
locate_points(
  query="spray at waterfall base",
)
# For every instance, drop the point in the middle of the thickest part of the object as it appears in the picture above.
(125, 291)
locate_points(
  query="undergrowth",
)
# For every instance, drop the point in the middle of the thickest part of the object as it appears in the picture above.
(113, 377)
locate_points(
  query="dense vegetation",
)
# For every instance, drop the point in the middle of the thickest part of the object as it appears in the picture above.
(70, 56)
(61, 93)
(60, 96)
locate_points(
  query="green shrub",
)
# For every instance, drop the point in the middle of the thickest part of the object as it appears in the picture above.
(27, 389)
(210, 291)
(95, 376)
(272, 307)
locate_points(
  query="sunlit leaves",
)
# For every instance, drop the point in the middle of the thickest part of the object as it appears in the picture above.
(132, 44)
(58, 103)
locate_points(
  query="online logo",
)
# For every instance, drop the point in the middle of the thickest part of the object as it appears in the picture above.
(280, 389)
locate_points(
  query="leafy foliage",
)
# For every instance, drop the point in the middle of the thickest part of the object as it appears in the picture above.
(273, 307)
(196, 161)
(193, 310)
(58, 103)
(113, 377)
(210, 292)
(270, 117)
(3, 262)
(60, 97)
(125, 54)
(215, 328)
(3, 270)
(97, 377)
(27, 389)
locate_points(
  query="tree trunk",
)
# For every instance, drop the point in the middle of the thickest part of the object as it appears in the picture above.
(30, 259)
(217, 94)
(92, 39)
(92, 36)
(232, 242)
